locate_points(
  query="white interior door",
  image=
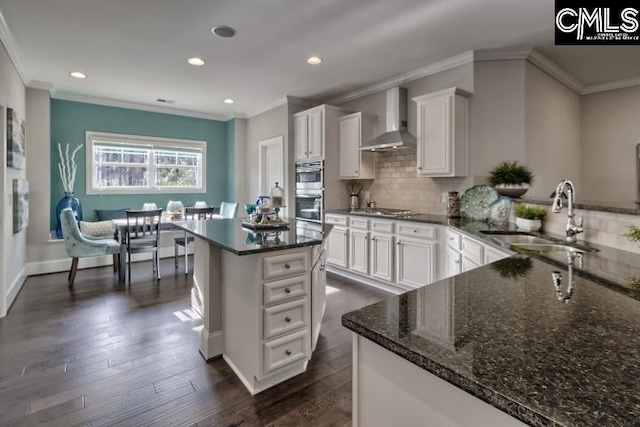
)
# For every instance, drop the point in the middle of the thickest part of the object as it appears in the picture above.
(271, 164)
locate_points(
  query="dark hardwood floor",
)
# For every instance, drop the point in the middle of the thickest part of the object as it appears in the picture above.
(105, 354)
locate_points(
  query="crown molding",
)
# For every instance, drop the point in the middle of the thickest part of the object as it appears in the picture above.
(502, 54)
(287, 99)
(618, 84)
(437, 67)
(546, 65)
(36, 84)
(65, 96)
(12, 49)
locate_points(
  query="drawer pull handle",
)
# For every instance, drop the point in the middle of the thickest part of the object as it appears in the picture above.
(287, 266)
(287, 352)
(287, 319)
(287, 290)
(415, 231)
(322, 267)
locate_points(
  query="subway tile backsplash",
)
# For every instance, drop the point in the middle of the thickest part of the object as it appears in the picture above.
(397, 184)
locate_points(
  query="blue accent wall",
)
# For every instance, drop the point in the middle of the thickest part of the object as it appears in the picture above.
(70, 120)
(231, 158)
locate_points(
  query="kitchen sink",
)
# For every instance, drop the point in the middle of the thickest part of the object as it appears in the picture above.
(518, 239)
(548, 247)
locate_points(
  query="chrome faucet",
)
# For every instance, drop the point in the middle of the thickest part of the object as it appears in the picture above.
(572, 227)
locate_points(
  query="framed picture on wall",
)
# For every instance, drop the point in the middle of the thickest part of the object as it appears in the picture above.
(20, 204)
(15, 140)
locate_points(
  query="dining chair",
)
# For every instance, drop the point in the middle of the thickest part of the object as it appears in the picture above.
(190, 214)
(142, 235)
(228, 209)
(79, 245)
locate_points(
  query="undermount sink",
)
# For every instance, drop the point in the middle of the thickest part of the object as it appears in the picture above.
(547, 247)
(518, 239)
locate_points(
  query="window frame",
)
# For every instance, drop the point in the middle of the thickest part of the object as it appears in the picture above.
(150, 142)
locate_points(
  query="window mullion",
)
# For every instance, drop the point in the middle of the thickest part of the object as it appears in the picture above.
(152, 169)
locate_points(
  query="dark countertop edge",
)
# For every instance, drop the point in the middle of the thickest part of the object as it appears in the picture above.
(491, 397)
(256, 250)
(586, 206)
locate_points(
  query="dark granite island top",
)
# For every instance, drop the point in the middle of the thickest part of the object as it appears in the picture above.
(517, 345)
(229, 234)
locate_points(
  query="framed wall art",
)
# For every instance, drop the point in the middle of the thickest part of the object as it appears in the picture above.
(20, 204)
(15, 140)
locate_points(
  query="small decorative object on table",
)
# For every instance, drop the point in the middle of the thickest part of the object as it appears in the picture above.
(453, 205)
(500, 210)
(511, 178)
(475, 202)
(200, 204)
(175, 209)
(277, 201)
(149, 207)
(529, 217)
(67, 168)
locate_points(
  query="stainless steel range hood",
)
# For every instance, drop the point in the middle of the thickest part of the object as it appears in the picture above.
(396, 135)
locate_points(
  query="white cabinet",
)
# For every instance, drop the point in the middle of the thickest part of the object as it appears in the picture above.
(318, 296)
(415, 262)
(338, 247)
(381, 256)
(359, 251)
(313, 129)
(353, 130)
(464, 253)
(453, 262)
(442, 133)
(491, 255)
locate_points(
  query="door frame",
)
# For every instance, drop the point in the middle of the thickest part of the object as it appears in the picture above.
(277, 141)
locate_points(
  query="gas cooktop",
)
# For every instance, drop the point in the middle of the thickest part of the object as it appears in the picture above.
(383, 212)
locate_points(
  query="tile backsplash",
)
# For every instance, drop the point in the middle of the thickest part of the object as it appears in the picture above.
(397, 184)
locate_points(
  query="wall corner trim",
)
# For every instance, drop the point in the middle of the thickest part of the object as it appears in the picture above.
(12, 49)
(16, 287)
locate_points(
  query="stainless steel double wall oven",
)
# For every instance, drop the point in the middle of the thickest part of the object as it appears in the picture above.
(309, 193)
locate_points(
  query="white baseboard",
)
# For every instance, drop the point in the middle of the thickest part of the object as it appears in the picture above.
(16, 286)
(211, 344)
(394, 289)
(60, 265)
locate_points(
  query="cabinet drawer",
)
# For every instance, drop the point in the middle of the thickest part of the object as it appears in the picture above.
(285, 350)
(336, 220)
(453, 240)
(359, 223)
(410, 229)
(382, 226)
(285, 290)
(284, 318)
(473, 250)
(277, 266)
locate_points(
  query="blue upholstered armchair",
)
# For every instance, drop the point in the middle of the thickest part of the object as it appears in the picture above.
(79, 245)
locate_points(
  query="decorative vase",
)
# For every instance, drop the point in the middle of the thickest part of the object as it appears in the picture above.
(511, 190)
(68, 201)
(500, 210)
(453, 205)
(528, 224)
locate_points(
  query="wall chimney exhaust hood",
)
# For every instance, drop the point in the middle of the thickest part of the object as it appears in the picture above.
(396, 135)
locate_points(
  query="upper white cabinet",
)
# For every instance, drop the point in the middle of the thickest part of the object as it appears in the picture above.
(353, 130)
(442, 133)
(313, 128)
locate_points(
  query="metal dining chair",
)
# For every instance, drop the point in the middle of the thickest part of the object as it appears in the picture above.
(190, 214)
(80, 245)
(142, 235)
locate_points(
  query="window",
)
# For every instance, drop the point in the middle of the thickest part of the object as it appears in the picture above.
(130, 164)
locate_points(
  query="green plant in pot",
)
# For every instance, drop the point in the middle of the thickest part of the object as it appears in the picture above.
(529, 217)
(511, 178)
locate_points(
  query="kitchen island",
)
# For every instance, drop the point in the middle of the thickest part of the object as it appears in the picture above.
(504, 344)
(261, 295)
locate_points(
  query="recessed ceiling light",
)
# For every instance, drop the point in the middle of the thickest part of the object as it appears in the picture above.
(223, 31)
(78, 75)
(195, 61)
(314, 60)
(228, 101)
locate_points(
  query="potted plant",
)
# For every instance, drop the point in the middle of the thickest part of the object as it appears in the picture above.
(529, 217)
(511, 178)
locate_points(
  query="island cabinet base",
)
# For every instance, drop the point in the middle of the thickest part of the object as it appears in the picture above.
(389, 390)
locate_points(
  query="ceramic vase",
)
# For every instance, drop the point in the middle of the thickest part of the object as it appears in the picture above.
(528, 224)
(68, 201)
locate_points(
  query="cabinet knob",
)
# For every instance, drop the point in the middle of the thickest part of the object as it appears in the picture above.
(373, 238)
(287, 352)
(356, 171)
(457, 261)
(287, 290)
(420, 167)
(415, 231)
(322, 267)
(398, 243)
(287, 266)
(287, 319)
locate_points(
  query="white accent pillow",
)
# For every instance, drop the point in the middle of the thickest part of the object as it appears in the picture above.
(98, 228)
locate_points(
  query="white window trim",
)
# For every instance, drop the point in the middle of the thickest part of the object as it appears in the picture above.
(149, 141)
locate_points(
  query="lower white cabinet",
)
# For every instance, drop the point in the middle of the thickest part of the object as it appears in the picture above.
(453, 262)
(359, 251)
(415, 262)
(381, 256)
(338, 247)
(318, 296)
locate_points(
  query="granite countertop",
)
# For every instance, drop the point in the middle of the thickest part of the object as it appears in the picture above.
(229, 234)
(546, 355)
